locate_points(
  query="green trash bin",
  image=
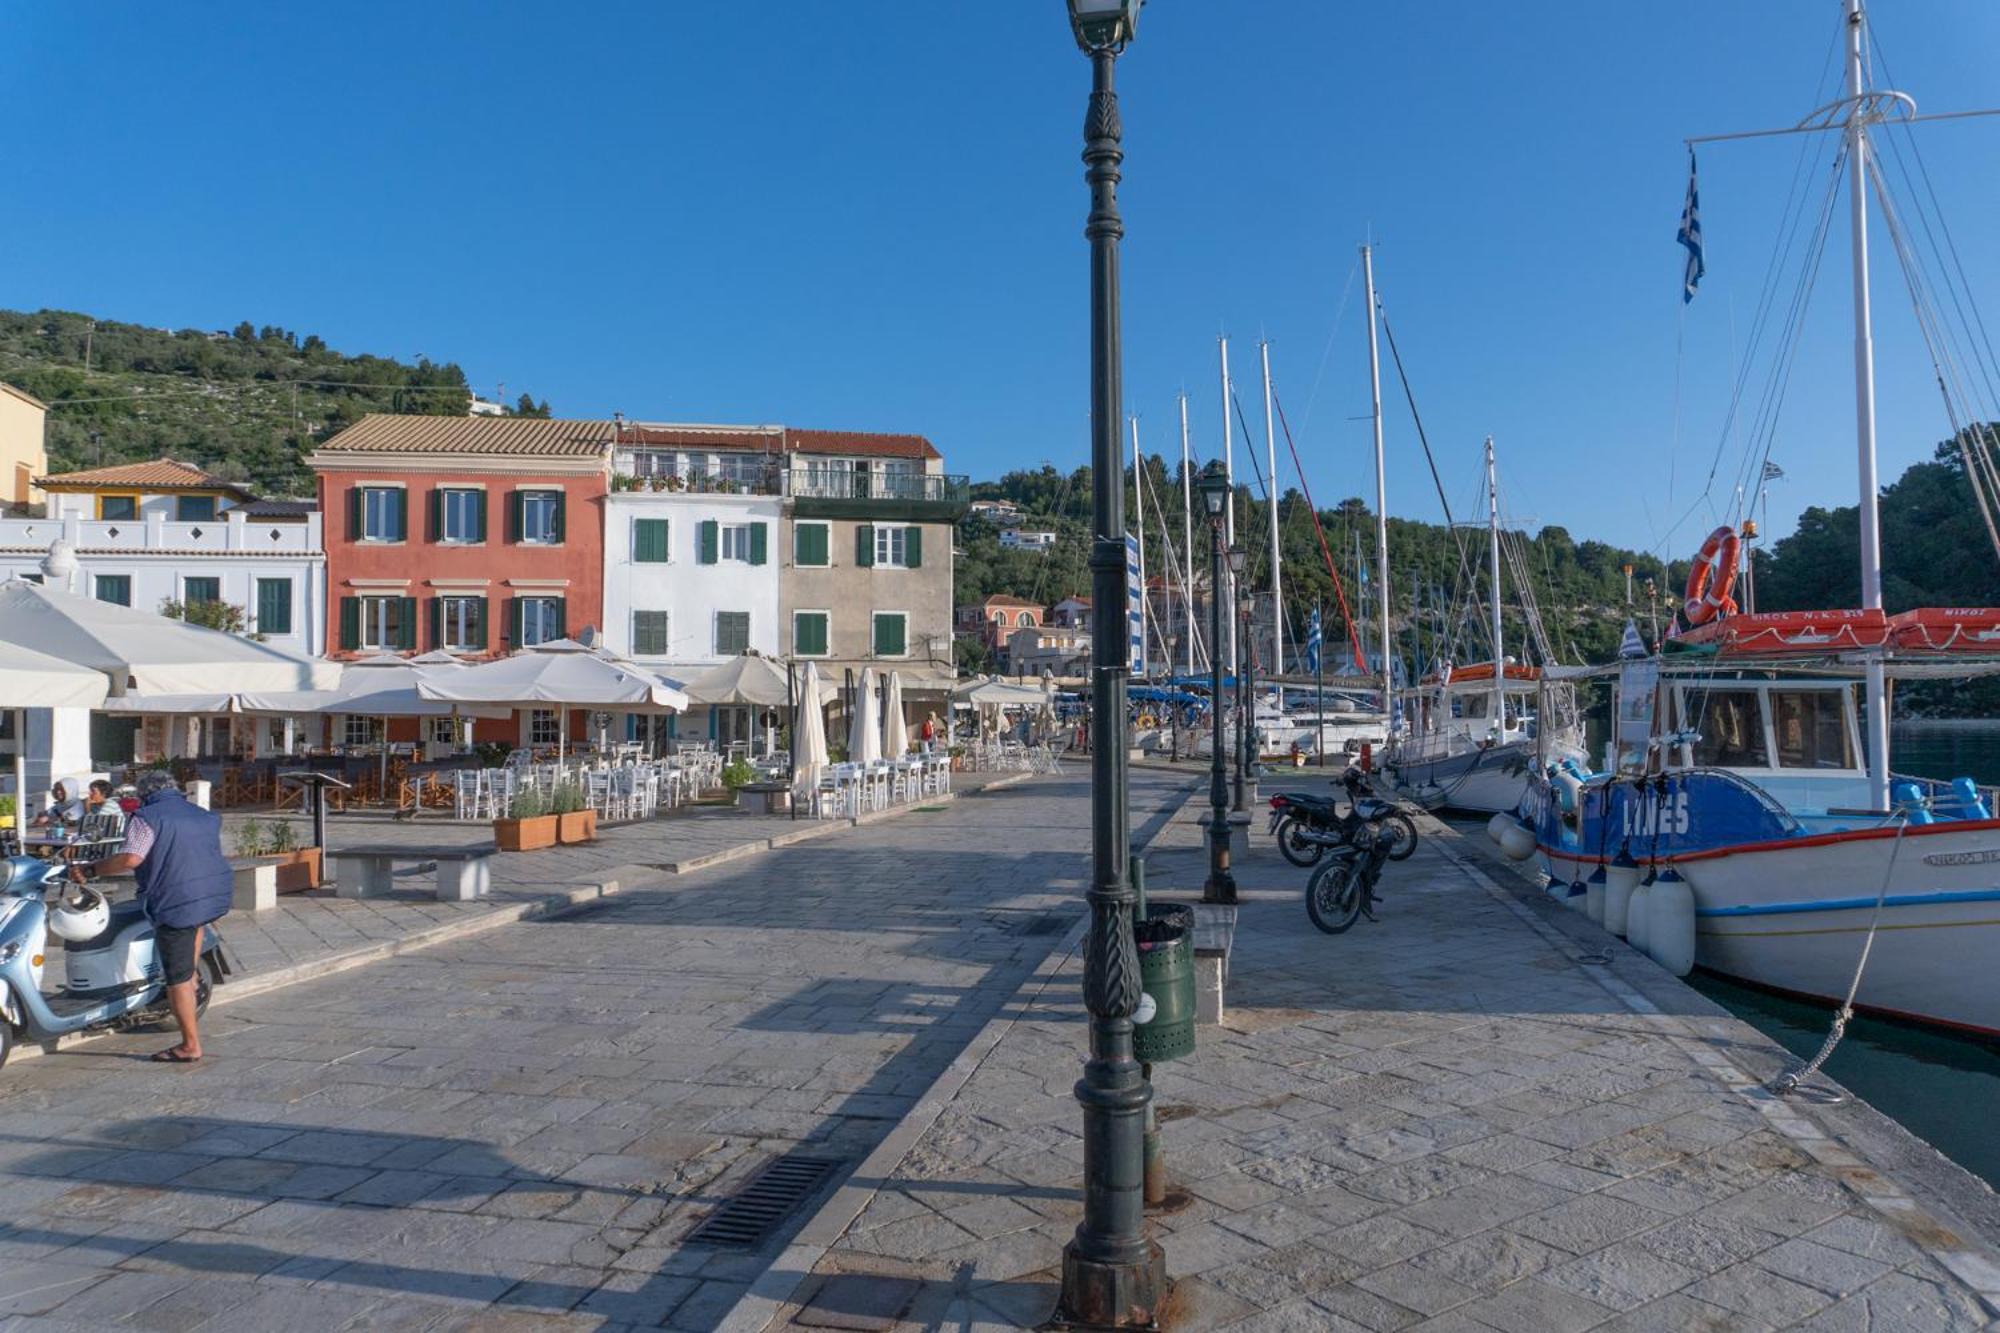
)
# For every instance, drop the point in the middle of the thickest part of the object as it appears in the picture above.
(1165, 935)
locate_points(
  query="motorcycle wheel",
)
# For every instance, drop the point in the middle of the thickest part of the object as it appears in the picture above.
(1333, 896)
(6, 1040)
(1295, 848)
(1406, 835)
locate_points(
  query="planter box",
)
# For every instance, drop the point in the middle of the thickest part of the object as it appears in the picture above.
(576, 826)
(299, 870)
(525, 835)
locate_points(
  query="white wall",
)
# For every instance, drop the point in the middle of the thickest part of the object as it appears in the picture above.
(688, 592)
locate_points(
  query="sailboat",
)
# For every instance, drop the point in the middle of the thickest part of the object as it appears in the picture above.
(1473, 734)
(1751, 773)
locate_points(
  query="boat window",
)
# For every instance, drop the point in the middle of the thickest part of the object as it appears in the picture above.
(1731, 729)
(1812, 729)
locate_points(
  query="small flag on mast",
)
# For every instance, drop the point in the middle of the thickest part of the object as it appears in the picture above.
(1313, 642)
(1772, 472)
(1690, 236)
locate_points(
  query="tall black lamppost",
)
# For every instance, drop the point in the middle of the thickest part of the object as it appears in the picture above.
(1239, 561)
(1112, 1275)
(1220, 886)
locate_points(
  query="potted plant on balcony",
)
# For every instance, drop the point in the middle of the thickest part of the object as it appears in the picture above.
(575, 821)
(530, 824)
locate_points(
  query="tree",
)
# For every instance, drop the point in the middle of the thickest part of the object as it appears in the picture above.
(526, 406)
(225, 616)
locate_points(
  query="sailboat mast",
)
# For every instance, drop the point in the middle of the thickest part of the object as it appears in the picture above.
(1187, 541)
(1493, 540)
(1271, 471)
(1381, 479)
(1877, 720)
(1229, 513)
(1139, 509)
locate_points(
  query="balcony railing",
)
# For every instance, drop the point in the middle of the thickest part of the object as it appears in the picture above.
(693, 481)
(220, 536)
(830, 484)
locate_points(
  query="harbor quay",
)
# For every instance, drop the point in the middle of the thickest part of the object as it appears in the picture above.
(1477, 1112)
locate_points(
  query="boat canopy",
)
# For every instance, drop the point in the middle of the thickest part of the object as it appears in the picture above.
(1474, 672)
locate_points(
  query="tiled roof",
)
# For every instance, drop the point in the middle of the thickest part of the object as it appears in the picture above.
(385, 433)
(164, 474)
(279, 508)
(1008, 599)
(862, 444)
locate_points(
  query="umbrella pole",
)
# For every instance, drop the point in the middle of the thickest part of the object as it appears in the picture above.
(20, 774)
(792, 704)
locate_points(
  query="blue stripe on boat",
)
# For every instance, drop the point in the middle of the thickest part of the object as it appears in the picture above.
(1849, 904)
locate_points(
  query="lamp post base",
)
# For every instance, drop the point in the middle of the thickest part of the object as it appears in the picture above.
(1098, 1295)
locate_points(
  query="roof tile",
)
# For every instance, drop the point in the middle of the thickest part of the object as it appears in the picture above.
(157, 474)
(385, 433)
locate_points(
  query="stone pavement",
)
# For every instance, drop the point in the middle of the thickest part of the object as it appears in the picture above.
(1477, 1113)
(517, 1130)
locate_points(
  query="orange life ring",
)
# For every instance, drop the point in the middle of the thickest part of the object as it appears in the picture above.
(1711, 578)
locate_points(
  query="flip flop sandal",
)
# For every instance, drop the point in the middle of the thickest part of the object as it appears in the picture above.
(174, 1057)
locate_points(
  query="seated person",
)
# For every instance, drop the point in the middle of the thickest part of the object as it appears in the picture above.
(63, 811)
(103, 816)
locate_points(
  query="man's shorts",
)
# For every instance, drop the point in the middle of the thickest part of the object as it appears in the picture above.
(178, 947)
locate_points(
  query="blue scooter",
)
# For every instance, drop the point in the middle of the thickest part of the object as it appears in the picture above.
(113, 978)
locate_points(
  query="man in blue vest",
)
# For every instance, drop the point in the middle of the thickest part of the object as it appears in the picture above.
(174, 849)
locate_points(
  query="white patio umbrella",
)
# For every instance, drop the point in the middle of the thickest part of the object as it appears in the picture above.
(742, 680)
(563, 674)
(143, 653)
(864, 726)
(896, 742)
(383, 686)
(29, 679)
(811, 721)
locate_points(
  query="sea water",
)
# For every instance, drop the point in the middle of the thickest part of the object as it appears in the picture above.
(1943, 1088)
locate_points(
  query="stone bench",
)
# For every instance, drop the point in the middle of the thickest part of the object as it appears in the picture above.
(765, 798)
(462, 872)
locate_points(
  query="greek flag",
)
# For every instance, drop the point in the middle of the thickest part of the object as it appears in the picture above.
(1690, 236)
(1312, 642)
(1772, 472)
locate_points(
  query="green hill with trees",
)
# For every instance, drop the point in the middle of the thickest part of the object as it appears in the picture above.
(247, 403)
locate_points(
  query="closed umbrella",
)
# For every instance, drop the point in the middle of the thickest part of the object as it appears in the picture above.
(29, 679)
(811, 722)
(864, 727)
(897, 742)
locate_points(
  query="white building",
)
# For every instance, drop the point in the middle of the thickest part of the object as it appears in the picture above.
(690, 578)
(148, 533)
(1026, 539)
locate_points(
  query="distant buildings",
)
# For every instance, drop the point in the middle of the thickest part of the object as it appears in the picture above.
(1026, 539)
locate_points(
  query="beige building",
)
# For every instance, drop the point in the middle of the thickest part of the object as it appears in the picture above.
(24, 453)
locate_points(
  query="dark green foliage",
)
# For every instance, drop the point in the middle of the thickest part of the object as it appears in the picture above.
(247, 404)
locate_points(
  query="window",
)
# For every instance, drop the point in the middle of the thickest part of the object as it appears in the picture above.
(274, 606)
(194, 509)
(461, 624)
(895, 547)
(544, 727)
(115, 588)
(810, 545)
(539, 620)
(649, 541)
(377, 513)
(891, 637)
(732, 633)
(891, 545)
(379, 622)
(360, 731)
(999, 617)
(1023, 620)
(124, 508)
(736, 542)
(540, 517)
(442, 730)
(1731, 729)
(201, 590)
(649, 633)
(809, 633)
(1812, 729)
(746, 469)
(460, 515)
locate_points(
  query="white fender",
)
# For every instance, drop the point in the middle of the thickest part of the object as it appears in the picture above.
(1638, 919)
(1670, 923)
(1593, 896)
(1517, 841)
(1619, 881)
(1498, 824)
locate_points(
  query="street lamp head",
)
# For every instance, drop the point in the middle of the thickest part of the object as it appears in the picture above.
(1214, 488)
(1238, 559)
(1104, 25)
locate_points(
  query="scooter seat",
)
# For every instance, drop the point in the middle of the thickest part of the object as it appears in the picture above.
(123, 914)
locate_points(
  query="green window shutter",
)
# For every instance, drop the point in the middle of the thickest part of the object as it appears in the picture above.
(889, 636)
(478, 635)
(562, 617)
(513, 622)
(437, 622)
(913, 548)
(759, 543)
(809, 544)
(350, 623)
(809, 633)
(864, 545)
(274, 606)
(513, 516)
(434, 504)
(406, 623)
(354, 513)
(556, 522)
(705, 546)
(479, 510)
(401, 509)
(649, 541)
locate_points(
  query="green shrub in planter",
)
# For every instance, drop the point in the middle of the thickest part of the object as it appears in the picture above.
(737, 774)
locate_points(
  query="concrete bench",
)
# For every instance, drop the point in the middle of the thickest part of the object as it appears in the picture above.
(765, 798)
(462, 872)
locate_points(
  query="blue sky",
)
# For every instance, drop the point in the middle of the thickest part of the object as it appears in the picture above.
(826, 214)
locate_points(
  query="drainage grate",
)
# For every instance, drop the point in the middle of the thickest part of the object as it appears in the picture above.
(766, 1202)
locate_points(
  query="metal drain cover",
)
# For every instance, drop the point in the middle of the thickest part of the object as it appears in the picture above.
(766, 1202)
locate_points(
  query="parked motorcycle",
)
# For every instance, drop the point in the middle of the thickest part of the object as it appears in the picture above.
(1306, 825)
(113, 976)
(1340, 891)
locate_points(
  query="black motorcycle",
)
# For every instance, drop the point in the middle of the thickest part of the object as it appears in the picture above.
(1343, 889)
(1306, 825)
